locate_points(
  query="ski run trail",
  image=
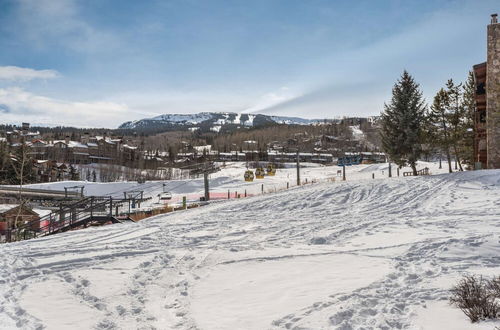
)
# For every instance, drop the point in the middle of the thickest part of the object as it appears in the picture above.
(373, 254)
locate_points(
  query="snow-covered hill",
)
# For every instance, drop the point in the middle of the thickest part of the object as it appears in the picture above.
(372, 254)
(209, 120)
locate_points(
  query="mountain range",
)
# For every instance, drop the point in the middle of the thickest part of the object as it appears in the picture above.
(212, 121)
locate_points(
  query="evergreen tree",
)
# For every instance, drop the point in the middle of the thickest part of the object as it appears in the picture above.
(455, 114)
(4, 162)
(451, 121)
(73, 174)
(466, 145)
(439, 130)
(171, 154)
(403, 122)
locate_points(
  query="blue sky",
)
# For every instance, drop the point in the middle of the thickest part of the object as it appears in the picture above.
(102, 62)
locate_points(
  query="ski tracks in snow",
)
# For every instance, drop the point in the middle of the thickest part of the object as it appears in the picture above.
(141, 276)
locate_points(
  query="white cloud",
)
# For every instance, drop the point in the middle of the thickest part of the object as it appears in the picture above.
(18, 105)
(271, 99)
(15, 73)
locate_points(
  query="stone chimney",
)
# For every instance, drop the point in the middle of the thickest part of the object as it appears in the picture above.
(493, 93)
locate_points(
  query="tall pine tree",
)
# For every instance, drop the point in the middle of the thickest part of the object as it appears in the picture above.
(451, 121)
(403, 123)
(439, 127)
(466, 145)
(456, 114)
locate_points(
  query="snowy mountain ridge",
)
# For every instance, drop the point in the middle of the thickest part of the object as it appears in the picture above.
(212, 119)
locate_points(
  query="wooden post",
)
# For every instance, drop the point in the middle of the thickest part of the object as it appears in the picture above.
(287, 185)
(262, 188)
(228, 194)
(298, 168)
(61, 213)
(343, 172)
(245, 193)
(205, 180)
(110, 206)
(373, 175)
(184, 202)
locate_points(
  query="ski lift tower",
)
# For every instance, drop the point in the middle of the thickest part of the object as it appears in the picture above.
(133, 196)
(208, 168)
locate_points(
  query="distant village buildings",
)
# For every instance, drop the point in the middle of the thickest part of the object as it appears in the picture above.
(128, 157)
(90, 149)
(52, 158)
(487, 116)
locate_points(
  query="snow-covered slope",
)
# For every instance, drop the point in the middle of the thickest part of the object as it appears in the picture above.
(295, 120)
(373, 254)
(213, 119)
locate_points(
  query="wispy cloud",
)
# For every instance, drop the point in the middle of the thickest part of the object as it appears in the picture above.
(271, 99)
(15, 73)
(358, 81)
(26, 106)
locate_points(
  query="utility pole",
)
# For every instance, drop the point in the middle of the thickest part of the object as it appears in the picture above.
(298, 168)
(205, 179)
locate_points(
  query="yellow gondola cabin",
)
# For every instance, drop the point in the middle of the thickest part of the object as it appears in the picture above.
(259, 173)
(249, 176)
(271, 170)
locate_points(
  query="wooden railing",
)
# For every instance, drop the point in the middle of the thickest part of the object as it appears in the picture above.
(80, 213)
(424, 171)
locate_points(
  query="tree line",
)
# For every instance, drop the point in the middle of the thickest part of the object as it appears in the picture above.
(411, 130)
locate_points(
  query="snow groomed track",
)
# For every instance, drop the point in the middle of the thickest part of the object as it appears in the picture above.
(374, 254)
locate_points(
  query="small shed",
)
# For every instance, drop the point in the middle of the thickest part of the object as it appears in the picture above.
(10, 214)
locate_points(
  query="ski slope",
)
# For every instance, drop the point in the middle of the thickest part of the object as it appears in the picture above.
(230, 178)
(370, 254)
